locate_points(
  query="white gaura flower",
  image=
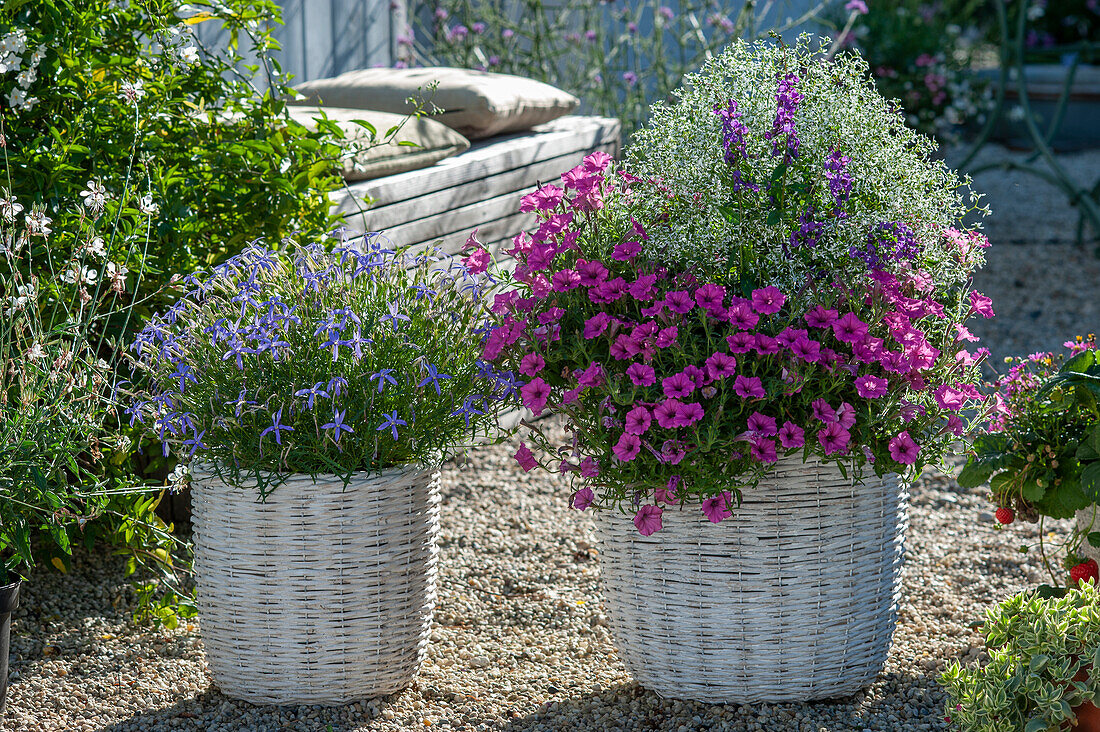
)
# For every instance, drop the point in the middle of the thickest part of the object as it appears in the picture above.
(146, 205)
(132, 91)
(36, 352)
(9, 207)
(117, 275)
(11, 242)
(38, 223)
(95, 197)
(97, 247)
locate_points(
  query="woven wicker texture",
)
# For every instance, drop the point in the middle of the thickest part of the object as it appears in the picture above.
(792, 598)
(320, 595)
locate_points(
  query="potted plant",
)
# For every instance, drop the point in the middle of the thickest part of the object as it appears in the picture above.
(754, 333)
(1043, 670)
(315, 394)
(1041, 453)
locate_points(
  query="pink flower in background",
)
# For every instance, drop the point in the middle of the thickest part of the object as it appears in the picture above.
(544, 199)
(583, 498)
(768, 300)
(689, 414)
(859, 7)
(823, 411)
(718, 507)
(950, 398)
(962, 333)
(648, 520)
(849, 328)
(720, 365)
(709, 297)
(565, 280)
(525, 458)
(904, 449)
(791, 436)
(641, 374)
(762, 424)
(846, 415)
(677, 386)
(628, 447)
(531, 364)
(741, 342)
(596, 325)
(766, 345)
(535, 393)
(638, 420)
(871, 387)
(589, 467)
(749, 387)
(667, 336)
(981, 304)
(572, 395)
(478, 261)
(642, 288)
(591, 273)
(668, 493)
(626, 251)
(819, 317)
(834, 438)
(807, 350)
(955, 425)
(591, 376)
(596, 162)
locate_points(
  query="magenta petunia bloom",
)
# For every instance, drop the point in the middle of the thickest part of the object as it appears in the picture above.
(768, 300)
(668, 493)
(709, 297)
(626, 251)
(535, 393)
(748, 387)
(689, 414)
(903, 449)
(718, 507)
(583, 498)
(672, 452)
(948, 397)
(740, 315)
(820, 317)
(544, 199)
(679, 301)
(790, 336)
(628, 447)
(525, 458)
(638, 420)
(596, 162)
(846, 415)
(791, 436)
(766, 345)
(834, 439)
(643, 288)
(596, 325)
(849, 328)
(762, 424)
(981, 304)
(823, 411)
(741, 342)
(565, 280)
(667, 413)
(648, 520)
(763, 450)
(591, 273)
(807, 350)
(531, 364)
(720, 365)
(641, 374)
(571, 396)
(591, 376)
(667, 336)
(871, 387)
(677, 386)
(478, 261)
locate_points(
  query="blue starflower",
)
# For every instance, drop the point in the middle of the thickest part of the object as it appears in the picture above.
(391, 422)
(195, 443)
(467, 409)
(314, 391)
(277, 427)
(382, 377)
(432, 378)
(337, 424)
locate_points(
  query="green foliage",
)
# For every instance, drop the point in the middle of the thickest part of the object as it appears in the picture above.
(1044, 661)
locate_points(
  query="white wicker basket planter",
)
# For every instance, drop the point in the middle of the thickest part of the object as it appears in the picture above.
(1088, 520)
(321, 595)
(793, 598)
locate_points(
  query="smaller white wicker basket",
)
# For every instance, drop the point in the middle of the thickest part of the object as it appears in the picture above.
(320, 595)
(793, 598)
(1088, 520)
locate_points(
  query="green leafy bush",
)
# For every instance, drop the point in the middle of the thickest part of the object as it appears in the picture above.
(1044, 661)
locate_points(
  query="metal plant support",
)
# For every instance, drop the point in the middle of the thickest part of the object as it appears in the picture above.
(1042, 162)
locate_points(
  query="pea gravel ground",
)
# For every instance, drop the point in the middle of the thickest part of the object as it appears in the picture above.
(521, 641)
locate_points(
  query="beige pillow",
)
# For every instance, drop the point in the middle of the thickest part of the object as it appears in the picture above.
(476, 103)
(434, 141)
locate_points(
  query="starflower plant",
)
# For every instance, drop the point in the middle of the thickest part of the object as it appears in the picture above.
(778, 270)
(312, 361)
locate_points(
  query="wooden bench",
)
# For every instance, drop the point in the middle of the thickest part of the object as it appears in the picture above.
(478, 189)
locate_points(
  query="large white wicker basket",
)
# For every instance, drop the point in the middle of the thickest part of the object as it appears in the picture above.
(792, 598)
(321, 595)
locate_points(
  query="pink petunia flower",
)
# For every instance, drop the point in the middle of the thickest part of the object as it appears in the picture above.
(762, 424)
(904, 449)
(667, 413)
(565, 280)
(668, 493)
(478, 261)
(531, 364)
(591, 376)
(641, 374)
(718, 507)
(596, 162)
(791, 436)
(749, 387)
(534, 394)
(846, 415)
(628, 447)
(766, 345)
(679, 301)
(823, 411)
(638, 420)
(834, 439)
(596, 325)
(950, 398)
(591, 273)
(806, 349)
(740, 315)
(741, 342)
(583, 498)
(763, 450)
(981, 304)
(525, 458)
(871, 387)
(626, 251)
(643, 288)
(544, 199)
(667, 336)
(720, 365)
(709, 297)
(688, 414)
(768, 300)
(849, 328)
(648, 520)
(677, 386)
(820, 317)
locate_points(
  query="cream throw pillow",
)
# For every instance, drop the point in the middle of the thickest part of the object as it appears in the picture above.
(475, 103)
(434, 141)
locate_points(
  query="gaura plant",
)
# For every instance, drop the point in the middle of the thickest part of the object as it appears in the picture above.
(311, 361)
(778, 269)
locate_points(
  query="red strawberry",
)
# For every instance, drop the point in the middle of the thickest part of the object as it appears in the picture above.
(1084, 571)
(1006, 515)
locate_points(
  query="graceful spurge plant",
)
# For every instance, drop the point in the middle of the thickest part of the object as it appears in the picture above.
(779, 268)
(306, 360)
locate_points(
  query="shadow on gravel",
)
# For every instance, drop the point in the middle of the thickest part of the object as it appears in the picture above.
(631, 708)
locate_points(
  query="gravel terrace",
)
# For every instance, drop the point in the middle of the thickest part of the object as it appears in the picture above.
(521, 642)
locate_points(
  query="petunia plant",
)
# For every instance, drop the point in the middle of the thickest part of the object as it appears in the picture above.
(777, 271)
(306, 360)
